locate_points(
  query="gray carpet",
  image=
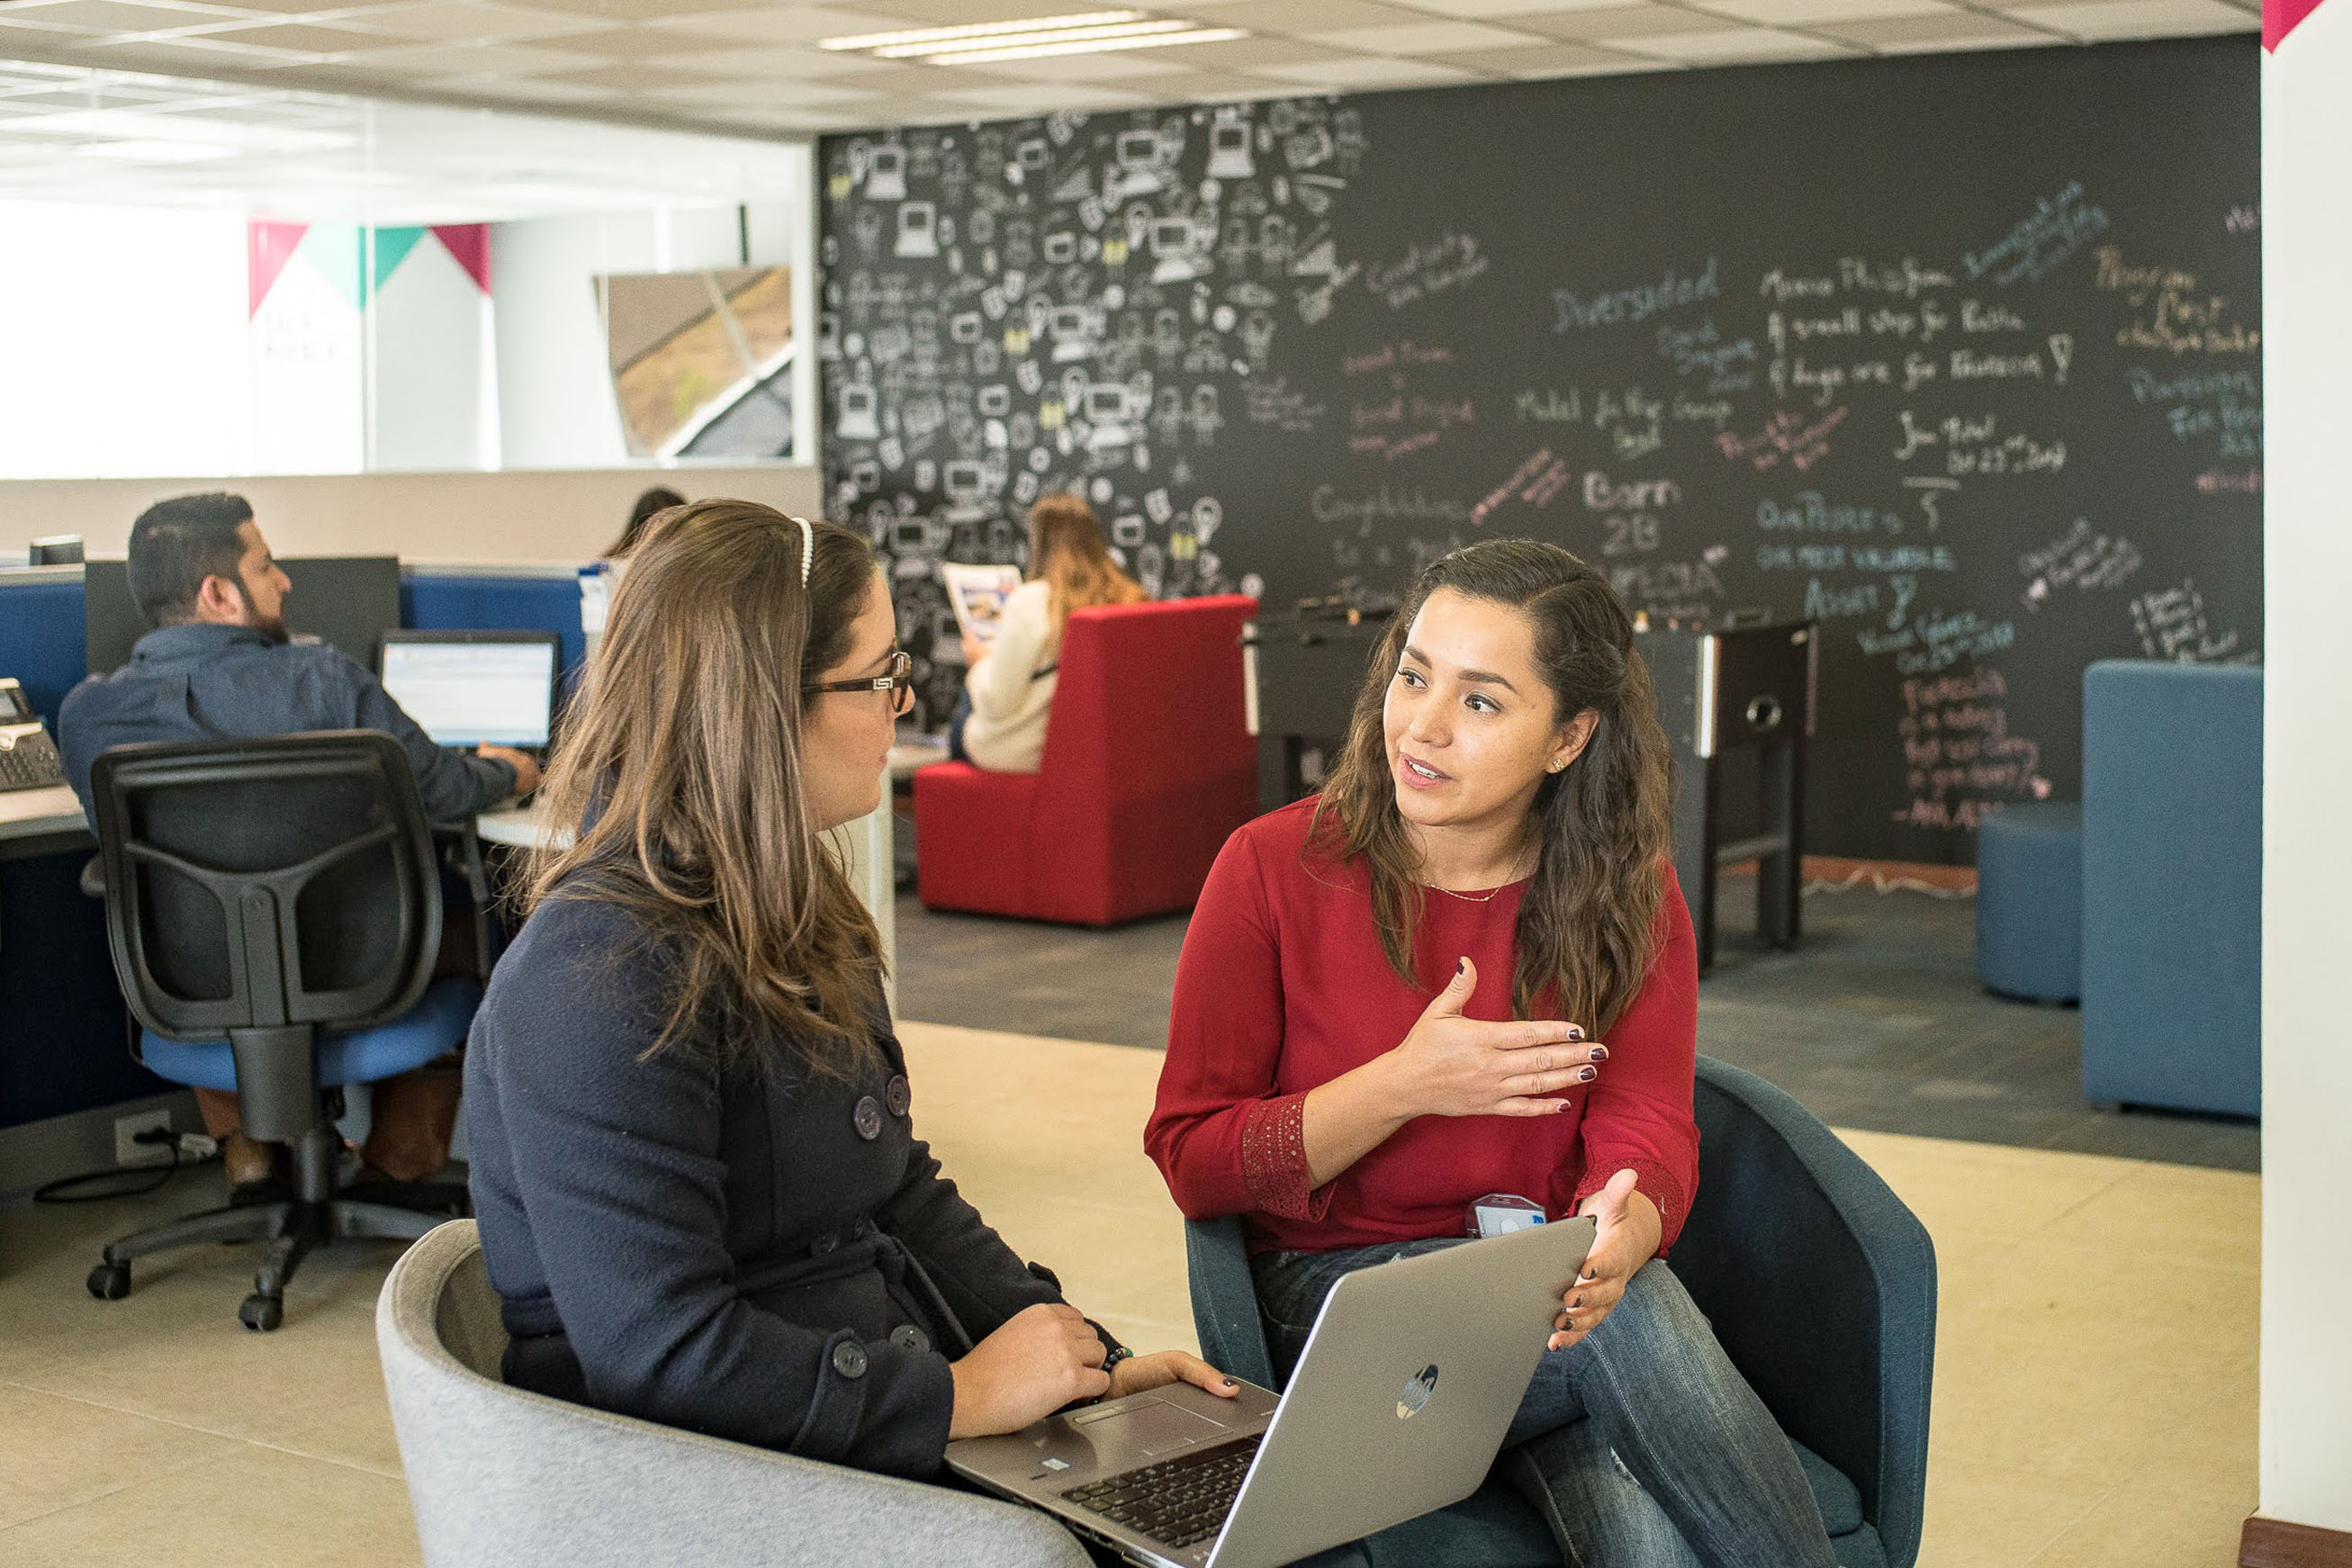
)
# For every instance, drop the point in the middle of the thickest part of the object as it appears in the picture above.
(1876, 1021)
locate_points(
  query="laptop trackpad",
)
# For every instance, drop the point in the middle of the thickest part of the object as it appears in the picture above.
(1147, 1426)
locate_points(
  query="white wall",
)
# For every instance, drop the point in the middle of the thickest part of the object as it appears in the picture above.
(124, 337)
(2306, 1378)
(558, 517)
(556, 407)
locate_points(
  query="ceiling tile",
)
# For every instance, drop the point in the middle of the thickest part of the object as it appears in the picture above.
(630, 76)
(1507, 10)
(468, 60)
(1543, 61)
(778, 94)
(182, 56)
(959, 13)
(1367, 71)
(1919, 35)
(750, 60)
(1013, 98)
(1235, 53)
(108, 16)
(301, 36)
(802, 121)
(1299, 17)
(2139, 18)
(520, 88)
(639, 43)
(769, 24)
(1803, 12)
(1092, 67)
(455, 23)
(1733, 44)
(1625, 22)
(1423, 39)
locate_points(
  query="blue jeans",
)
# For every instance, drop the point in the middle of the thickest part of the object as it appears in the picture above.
(1641, 1444)
(956, 721)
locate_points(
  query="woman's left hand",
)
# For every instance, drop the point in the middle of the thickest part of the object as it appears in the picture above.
(1140, 1374)
(1626, 1238)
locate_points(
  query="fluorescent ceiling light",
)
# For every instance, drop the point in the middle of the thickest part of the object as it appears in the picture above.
(1092, 46)
(977, 30)
(940, 51)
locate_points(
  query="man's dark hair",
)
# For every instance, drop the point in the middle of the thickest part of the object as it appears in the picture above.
(177, 545)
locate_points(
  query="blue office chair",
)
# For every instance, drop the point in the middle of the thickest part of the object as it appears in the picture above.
(1820, 1284)
(274, 912)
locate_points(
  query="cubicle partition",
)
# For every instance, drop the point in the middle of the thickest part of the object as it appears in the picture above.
(62, 1049)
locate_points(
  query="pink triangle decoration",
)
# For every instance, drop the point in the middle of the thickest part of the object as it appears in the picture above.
(2280, 17)
(268, 246)
(469, 243)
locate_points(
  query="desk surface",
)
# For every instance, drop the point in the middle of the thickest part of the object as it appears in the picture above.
(516, 826)
(42, 822)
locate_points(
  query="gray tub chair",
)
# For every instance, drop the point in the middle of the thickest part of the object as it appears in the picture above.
(1821, 1285)
(498, 1476)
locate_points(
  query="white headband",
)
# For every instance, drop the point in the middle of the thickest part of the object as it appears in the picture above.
(808, 549)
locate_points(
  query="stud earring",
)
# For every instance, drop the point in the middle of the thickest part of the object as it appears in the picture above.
(1557, 764)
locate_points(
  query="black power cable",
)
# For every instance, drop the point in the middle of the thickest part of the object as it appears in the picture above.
(68, 1189)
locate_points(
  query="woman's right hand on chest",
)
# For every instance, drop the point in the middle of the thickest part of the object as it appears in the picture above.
(1453, 1065)
(1043, 1358)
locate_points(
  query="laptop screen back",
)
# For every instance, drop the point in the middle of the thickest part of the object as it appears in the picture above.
(470, 693)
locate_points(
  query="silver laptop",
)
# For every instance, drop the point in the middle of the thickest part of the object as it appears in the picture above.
(1401, 1401)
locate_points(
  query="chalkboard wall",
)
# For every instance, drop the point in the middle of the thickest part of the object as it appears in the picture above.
(1959, 355)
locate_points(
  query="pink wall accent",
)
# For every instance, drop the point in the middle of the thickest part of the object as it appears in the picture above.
(470, 244)
(268, 246)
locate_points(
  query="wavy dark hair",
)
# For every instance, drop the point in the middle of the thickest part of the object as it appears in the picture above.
(681, 763)
(1588, 925)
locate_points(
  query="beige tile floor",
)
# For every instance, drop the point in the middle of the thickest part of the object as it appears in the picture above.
(2094, 1395)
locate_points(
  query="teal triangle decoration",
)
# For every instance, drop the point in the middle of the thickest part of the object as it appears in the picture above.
(392, 249)
(334, 250)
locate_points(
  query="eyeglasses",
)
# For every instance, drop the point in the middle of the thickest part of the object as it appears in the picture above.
(899, 683)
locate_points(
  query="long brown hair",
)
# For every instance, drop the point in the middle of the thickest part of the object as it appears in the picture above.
(1587, 932)
(680, 762)
(1067, 549)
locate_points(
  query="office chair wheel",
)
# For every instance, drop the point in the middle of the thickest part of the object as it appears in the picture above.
(261, 1313)
(109, 1281)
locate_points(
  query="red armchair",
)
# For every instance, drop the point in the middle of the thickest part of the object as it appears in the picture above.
(1149, 767)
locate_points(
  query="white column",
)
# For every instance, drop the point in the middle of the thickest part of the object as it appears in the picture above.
(2306, 1339)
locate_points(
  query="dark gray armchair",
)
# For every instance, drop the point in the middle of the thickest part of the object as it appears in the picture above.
(1821, 1285)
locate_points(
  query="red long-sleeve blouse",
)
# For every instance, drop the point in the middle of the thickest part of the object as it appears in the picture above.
(1283, 986)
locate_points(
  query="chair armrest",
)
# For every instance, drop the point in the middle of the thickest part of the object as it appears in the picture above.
(1224, 1299)
(1821, 1285)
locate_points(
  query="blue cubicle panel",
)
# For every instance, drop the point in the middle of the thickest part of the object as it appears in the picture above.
(40, 640)
(60, 1017)
(434, 601)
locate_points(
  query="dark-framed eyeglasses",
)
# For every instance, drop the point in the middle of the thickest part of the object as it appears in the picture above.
(898, 682)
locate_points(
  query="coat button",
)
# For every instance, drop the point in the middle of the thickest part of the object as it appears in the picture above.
(868, 1118)
(898, 1096)
(907, 1337)
(849, 1359)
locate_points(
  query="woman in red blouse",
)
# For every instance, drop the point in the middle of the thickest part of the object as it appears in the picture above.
(1466, 969)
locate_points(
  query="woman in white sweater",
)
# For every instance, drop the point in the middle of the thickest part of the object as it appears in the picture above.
(1009, 683)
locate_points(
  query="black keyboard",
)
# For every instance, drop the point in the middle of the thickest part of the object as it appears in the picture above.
(1179, 1502)
(31, 763)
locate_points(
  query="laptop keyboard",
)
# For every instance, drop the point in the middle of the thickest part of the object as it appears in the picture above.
(1179, 1502)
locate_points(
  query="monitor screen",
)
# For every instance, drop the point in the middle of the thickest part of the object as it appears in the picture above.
(467, 692)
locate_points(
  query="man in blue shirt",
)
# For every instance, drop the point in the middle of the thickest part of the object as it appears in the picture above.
(220, 665)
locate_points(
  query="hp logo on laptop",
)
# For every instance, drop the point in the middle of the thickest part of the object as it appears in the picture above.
(1416, 1394)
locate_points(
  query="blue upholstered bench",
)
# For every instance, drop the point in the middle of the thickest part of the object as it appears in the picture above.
(2030, 902)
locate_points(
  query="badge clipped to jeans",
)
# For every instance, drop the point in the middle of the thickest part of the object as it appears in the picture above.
(1499, 1213)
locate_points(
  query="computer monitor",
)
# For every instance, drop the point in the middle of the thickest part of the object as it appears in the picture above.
(473, 688)
(57, 550)
(347, 602)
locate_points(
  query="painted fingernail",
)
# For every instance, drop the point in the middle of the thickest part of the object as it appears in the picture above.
(1600, 1053)
(1231, 1384)
(1586, 1075)
(1460, 967)
(1574, 1033)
